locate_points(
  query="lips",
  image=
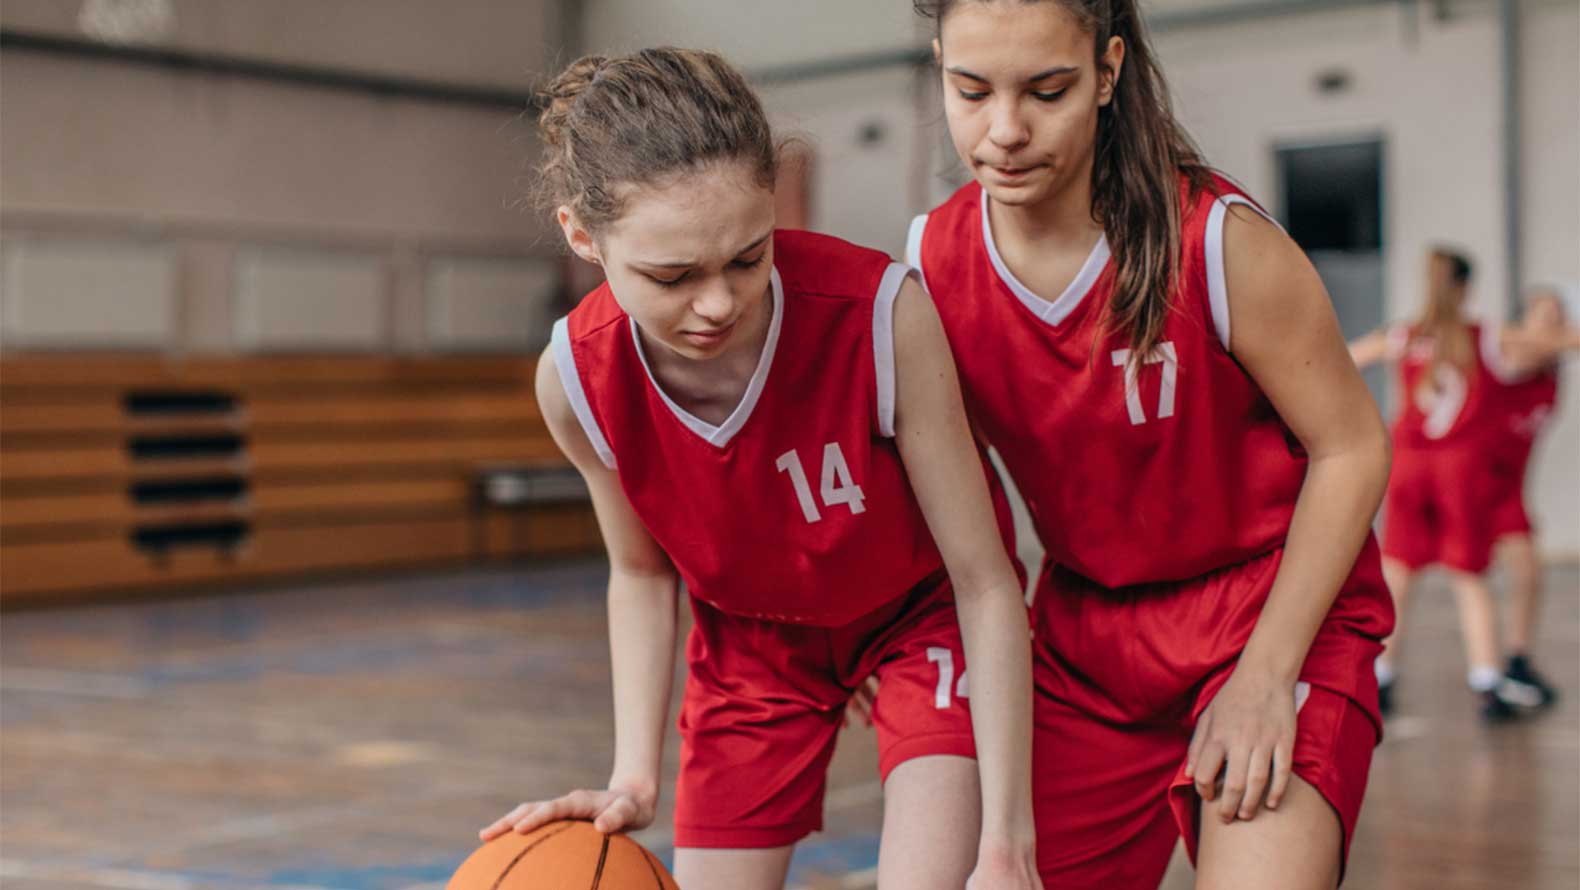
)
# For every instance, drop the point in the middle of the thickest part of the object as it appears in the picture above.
(708, 338)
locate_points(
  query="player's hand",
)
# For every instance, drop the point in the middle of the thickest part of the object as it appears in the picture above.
(1005, 868)
(861, 702)
(611, 810)
(1245, 743)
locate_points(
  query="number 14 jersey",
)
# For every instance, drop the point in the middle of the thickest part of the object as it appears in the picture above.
(796, 508)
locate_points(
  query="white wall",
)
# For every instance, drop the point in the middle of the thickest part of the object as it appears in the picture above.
(1550, 232)
(1431, 89)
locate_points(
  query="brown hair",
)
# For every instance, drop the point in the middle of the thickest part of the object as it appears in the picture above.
(1442, 319)
(634, 119)
(1141, 152)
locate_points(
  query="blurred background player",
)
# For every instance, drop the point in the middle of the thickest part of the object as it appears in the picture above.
(1451, 452)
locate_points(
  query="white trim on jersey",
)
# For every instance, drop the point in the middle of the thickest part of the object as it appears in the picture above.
(1058, 310)
(913, 249)
(883, 342)
(1217, 285)
(1491, 348)
(570, 379)
(720, 436)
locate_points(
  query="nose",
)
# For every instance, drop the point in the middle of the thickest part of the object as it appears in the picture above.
(1007, 130)
(713, 302)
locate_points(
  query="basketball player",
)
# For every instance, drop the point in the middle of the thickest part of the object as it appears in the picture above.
(773, 418)
(1470, 394)
(1526, 402)
(1160, 368)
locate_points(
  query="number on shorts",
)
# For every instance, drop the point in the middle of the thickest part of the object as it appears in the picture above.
(946, 677)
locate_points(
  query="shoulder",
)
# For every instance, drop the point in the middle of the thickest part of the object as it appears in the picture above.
(814, 265)
(595, 312)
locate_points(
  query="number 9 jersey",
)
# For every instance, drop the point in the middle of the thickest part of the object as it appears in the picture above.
(797, 507)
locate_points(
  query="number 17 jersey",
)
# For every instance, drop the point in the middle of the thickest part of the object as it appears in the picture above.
(1134, 472)
(796, 508)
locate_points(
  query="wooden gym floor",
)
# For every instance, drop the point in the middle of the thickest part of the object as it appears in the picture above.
(354, 736)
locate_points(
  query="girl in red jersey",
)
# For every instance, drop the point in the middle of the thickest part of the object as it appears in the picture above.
(773, 419)
(1161, 370)
(1453, 474)
(1528, 401)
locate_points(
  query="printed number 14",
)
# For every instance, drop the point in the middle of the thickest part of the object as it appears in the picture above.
(838, 487)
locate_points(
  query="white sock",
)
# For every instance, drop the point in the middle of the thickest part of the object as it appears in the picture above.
(1483, 678)
(1384, 670)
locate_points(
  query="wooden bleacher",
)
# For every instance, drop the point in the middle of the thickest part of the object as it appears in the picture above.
(137, 473)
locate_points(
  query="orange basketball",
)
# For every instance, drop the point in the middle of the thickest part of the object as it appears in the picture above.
(562, 856)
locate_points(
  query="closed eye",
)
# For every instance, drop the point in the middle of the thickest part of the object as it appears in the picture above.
(1049, 97)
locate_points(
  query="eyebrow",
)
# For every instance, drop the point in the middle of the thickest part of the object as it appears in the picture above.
(686, 264)
(1041, 75)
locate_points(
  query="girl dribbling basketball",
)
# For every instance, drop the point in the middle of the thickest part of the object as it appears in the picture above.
(773, 418)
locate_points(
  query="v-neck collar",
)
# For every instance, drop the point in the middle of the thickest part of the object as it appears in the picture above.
(720, 436)
(1055, 311)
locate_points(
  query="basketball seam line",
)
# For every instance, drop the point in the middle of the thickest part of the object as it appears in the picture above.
(652, 866)
(519, 856)
(603, 856)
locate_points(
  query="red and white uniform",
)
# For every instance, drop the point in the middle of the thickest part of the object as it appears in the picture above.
(1450, 426)
(1163, 491)
(794, 527)
(1524, 406)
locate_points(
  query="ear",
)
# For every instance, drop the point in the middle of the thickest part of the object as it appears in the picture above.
(938, 52)
(1112, 62)
(576, 236)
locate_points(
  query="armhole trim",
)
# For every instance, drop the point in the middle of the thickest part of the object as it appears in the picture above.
(570, 378)
(883, 342)
(1491, 349)
(1217, 282)
(913, 249)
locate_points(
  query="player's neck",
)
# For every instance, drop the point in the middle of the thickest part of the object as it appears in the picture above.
(710, 388)
(1062, 220)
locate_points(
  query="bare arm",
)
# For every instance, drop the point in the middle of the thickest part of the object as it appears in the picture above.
(643, 593)
(1286, 336)
(935, 441)
(1366, 350)
(1525, 352)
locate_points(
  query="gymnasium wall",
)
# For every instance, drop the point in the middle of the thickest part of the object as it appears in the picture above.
(144, 207)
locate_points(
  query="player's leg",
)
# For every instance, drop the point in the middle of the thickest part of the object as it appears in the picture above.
(1478, 623)
(703, 869)
(761, 711)
(1521, 564)
(926, 754)
(1303, 844)
(1298, 846)
(931, 821)
(1399, 576)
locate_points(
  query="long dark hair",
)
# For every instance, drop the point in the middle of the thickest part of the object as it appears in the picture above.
(1141, 152)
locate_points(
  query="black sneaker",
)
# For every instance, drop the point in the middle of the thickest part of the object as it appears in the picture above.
(1496, 710)
(1523, 687)
(1385, 699)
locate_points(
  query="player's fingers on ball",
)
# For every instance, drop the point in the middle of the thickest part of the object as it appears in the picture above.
(528, 819)
(1256, 782)
(619, 813)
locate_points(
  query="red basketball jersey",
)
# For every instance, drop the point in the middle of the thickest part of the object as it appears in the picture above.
(1523, 407)
(797, 507)
(1456, 407)
(1133, 472)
